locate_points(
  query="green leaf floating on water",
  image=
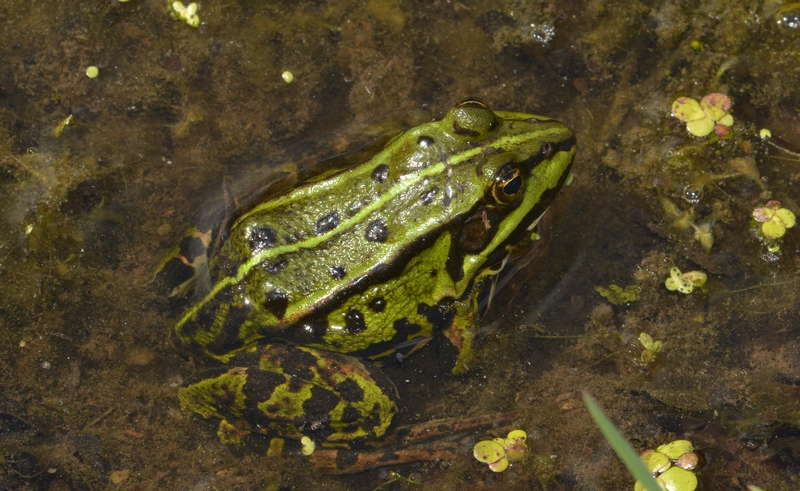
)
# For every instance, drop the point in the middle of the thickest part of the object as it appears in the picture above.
(618, 295)
(651, 347)
(675, 449)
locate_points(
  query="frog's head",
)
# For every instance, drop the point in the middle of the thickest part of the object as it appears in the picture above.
(523, 161)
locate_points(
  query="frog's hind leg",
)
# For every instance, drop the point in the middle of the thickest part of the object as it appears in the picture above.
(353, 461)
(386, 453)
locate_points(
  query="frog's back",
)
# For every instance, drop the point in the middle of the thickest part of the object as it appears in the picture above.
(364, 259)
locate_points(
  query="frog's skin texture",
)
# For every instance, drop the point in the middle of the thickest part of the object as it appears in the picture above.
(283, 388)
(373, 260)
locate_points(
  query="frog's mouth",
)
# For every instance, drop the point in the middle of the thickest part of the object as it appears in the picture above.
(527, 224)
(535, 222)
(491, 277)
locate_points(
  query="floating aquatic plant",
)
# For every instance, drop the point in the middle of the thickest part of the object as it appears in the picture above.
(651, 347)
(774, 219)
(672, 465)
(186, 13)
(500, 452)
(684, 282)
(701, 118)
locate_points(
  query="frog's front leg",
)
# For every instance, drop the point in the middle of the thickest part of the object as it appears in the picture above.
(457, 350)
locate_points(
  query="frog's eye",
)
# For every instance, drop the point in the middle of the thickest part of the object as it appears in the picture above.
(472, 118)
(508, 184)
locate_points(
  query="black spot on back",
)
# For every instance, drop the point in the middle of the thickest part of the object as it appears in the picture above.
(327, 222)
(428, 196)
(425, 141)
(319, 329)
(402, 433)
(354, 321)
(337, 272)
(276, 303)
(380, 174)
(262, 237)
(377, 305)
(312, 330)
(277, 266)
(377, 231)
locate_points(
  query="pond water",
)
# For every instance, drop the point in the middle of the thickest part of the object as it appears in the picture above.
(101, 177)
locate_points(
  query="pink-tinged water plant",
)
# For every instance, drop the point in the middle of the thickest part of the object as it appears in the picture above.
(701, 118)
(774, 219)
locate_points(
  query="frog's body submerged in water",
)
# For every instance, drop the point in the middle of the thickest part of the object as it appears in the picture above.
(387, 254)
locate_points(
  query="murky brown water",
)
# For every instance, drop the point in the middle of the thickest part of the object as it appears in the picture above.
(89, 372)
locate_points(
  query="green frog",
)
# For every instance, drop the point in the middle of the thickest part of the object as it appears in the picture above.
(299, 293)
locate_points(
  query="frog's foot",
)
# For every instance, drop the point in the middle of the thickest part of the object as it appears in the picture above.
(354, 461)
(456, 348)
(185, 269)
(440, 428)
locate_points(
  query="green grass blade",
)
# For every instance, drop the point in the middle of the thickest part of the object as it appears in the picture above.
(628, 455)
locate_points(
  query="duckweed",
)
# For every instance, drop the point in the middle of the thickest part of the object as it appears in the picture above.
(492, 453)
(500, 452)
(618, 295)
(701, 118)
(656, 462)
(676, 448)
(672, 464)
(515, 445)
(774, 219)
(678, 479)
(186, 13)
(684, 282)
(308, 445)
(651, 347)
